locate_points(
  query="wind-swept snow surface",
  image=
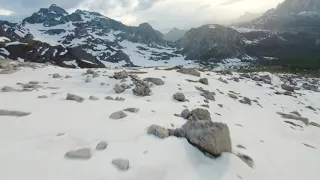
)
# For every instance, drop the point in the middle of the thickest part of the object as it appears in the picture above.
(33, 146)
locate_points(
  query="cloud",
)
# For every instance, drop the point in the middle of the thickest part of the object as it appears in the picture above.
(229, 2)
(204, 6)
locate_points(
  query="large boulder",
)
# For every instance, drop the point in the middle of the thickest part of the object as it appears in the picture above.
(118, 115)
(73, 97)
(84, 153)
(287, 87)
(209, 137)
(120, 75)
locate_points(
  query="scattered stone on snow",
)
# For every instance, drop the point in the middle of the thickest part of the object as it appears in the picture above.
(74, 97)
(293, 124)
(204, 81)
(133, 110)
(188, 71)
(309, 146)
(311, 108)
(245, 100)
(222, 80)
(118, 89)
(102, 145)
(236, 79)
(220, 105)
(118, 115)
(156, 81)
(56, 75)
(125, 86)
(287, 87)
(102, 83)
(120, 75)
(4, 112)
(314, 124)
(206, 94)
(88, 79)
(68, 76)
(121, 164)
(294, 117)
(109, 98)
(93, 98)
(141, 88)
(42, 97)
(123, 80)
(177, 115)
(205, 105)
(233, 96)
(241, 146)
(247, 159)
(158, 131)
(8, 89)
(179, 97)
(84, 153)
(296, 113)
(310, 87)
(206, 101)
(119, 99)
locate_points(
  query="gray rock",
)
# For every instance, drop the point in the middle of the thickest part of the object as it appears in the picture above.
(133, 110)
(296, 113)
(109, 98)
(204, 81)
(141, 88)
(102, 83)
(102, 145)
(121, 164)
(220, 105)
(119, 99)
(92, 72)
(186, 113)
(294, 117)
(314, 124)
(56, 75)
(125, 86)
(212, 138)
(93, 98)
(233, 96)
(245, 75)
(31, 86)
(88, 79)
(206, 94)
(311, 108)
(120, 75)
(192, 72)
(222, 80)
(123, 80)
(287, 87)
(74, 97)
(205, 105)
(202, 114)
(156, 81)
(84, 153)
(8, 89)
(310, 87)
(206, 101)
(179, 97)
(118, 89)
(247, 159)
(245, 100)
(33, 82)
(13, 113)
(158, 131)
(68, 76)
(236, 79)
(42, 97)
(118, 115)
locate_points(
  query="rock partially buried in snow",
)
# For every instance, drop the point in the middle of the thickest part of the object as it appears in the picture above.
(125, 86)
(73, 97)
(287, 87)
(245, 100)
(42, 97)
(233, 96)
(93, 98)
(202, 114)
(186, 113)
(294, 117)
(247, 159)
(56, 75)
(314, 124)
(142, 88)
(13, 113)
(8, 89)
(88, 79)
(156, 81)
(118, 115)
(158, 131)
(121, 164)
(222, 80)
(102, 145)
(133, 110)
(118, 89)
(192, 72)
(204, 81)
(179, 97)
(84, 153)
(120, 75)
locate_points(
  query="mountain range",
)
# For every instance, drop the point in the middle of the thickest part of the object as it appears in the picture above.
(89, 39)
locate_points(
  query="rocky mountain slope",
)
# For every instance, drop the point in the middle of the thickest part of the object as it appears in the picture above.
(291, 15)
(110, 124)
(246, 17)
(98, 39)
(174, 34)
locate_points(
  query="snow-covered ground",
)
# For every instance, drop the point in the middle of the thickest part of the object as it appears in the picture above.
(33, 147)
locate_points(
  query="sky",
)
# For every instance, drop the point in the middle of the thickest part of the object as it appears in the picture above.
(161, 14)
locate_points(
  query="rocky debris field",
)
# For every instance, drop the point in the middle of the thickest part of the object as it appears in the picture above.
(159, 124)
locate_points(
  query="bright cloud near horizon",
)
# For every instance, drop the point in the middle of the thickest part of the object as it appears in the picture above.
(161, 14)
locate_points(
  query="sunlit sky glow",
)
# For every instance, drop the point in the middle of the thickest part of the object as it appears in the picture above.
(161, 14)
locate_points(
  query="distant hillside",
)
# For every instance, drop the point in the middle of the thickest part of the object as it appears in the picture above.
(174, 34)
